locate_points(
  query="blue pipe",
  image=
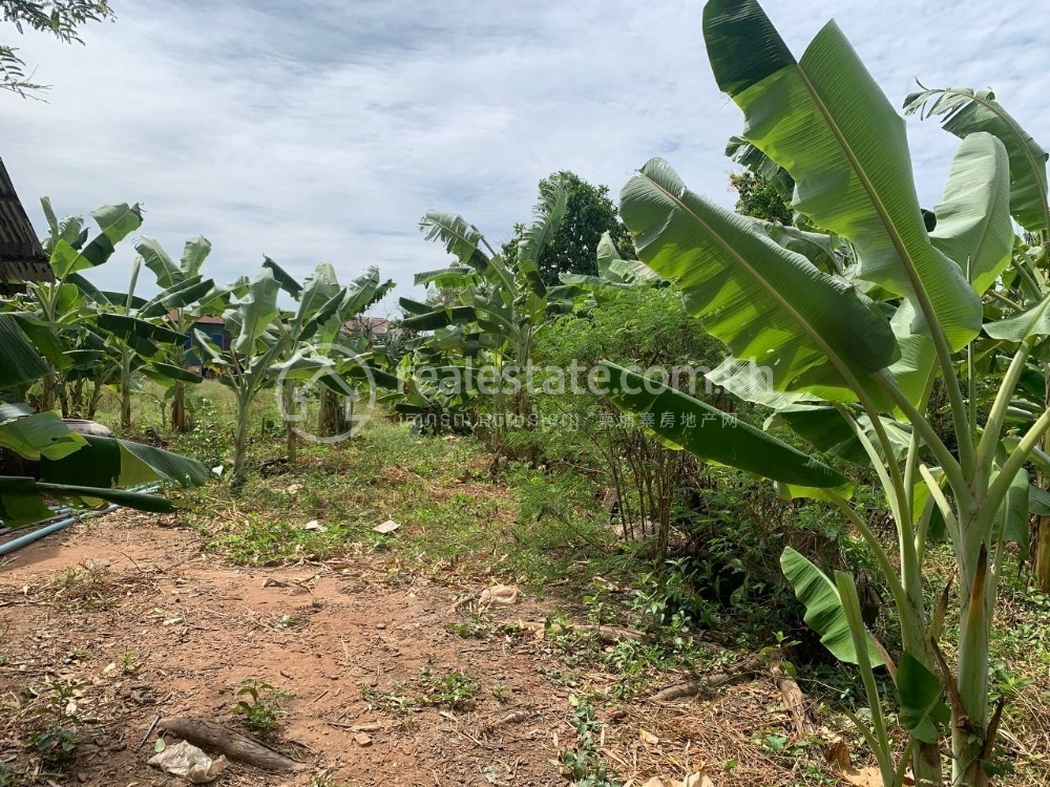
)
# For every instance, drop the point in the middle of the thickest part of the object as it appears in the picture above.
(60, 513)
(29, 538)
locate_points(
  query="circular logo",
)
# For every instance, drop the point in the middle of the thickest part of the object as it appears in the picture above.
(327, 396)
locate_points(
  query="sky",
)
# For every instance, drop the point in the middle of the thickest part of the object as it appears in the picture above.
(322, 130)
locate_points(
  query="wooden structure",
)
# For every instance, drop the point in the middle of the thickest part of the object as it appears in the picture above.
(22, 258)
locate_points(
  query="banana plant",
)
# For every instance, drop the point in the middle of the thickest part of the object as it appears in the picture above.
(270, 348)
(58, 317)
(84, 468)
(312, 333)
(498, 310)
(849, 361)
(963, 112)
(185, 298)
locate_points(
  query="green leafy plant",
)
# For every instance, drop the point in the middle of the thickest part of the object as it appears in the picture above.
(852, 358)
(262, 706)
(455, 691)
(583, 764)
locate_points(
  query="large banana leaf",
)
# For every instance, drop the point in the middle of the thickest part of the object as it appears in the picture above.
(461, 239)
(128, 327)
(157, 260)
(33, 435)
(285, 279)
(255, 312)
(921, 695)
(364, 291)
(824, 610)
(1032, 322)
(20, 362)
(181, 295)
(21, 499)
(712, 434)
(810, 330)
(826, 122)
(116, 222)
(549, 214)
(108, 462)
(973, 219)
(965, 112)
(194, 253)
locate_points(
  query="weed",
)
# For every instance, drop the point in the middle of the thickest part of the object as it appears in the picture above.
(475, 625)
(262, 707)
(583, 764)
(129, 663)
(455, 691)
(57, 734)
(55, 745)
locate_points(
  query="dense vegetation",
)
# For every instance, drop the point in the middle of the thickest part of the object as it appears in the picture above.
(875, 482)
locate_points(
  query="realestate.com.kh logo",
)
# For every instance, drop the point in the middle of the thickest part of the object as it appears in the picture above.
(335, 377)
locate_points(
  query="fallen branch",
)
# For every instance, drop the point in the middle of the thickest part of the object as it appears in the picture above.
(690, 688)
(232, 744)
(793, 700)
(607, 634)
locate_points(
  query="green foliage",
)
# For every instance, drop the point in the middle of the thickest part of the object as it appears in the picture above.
(262, 706)
(61, 18)
(759, 197)
(573, 246)
(771, 295)
(454, 691)
(583, 764)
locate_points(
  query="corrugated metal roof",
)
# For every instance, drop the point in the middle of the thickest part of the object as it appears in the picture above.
(21, 256)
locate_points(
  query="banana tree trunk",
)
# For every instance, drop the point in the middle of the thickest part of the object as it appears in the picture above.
(125, 391)
(96, 398)
(48, 393)
(331, 418)
(1041, 545)
(970, 721)
(1041, 535)
(240, 448)
(125, 407)
(290, 437)
(179, 421)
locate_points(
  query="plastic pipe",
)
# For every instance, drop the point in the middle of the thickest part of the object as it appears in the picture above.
(29, 538)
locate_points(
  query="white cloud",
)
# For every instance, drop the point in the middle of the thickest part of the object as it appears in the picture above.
(323, 130)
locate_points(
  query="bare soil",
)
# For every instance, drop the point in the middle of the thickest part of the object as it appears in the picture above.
(129, 613)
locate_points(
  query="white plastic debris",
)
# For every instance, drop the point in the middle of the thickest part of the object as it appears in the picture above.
(500, 594)
(386, 527)
(186, 761)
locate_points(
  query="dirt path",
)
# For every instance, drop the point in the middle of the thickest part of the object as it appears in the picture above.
(129, 615)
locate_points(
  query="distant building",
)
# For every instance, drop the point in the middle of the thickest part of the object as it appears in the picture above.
(215, 329)
(22, 258)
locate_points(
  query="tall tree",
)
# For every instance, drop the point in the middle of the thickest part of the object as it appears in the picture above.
(61, 18)
(589, 213)
(758, 196)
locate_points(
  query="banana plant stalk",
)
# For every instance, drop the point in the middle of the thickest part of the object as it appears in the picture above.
(847, 358)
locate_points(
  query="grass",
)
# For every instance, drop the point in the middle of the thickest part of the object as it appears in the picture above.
(542, 531)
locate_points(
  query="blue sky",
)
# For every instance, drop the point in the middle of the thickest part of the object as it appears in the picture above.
(321, 130)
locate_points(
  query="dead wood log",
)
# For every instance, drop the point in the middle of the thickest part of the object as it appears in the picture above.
(607, 634)
(234, 745)
(793, 701)
(690, 688)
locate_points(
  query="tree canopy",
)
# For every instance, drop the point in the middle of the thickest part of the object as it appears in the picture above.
(758, 196)
(61, 18)
(588, 214)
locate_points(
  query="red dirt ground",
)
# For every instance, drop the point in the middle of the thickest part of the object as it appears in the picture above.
(72, 606)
